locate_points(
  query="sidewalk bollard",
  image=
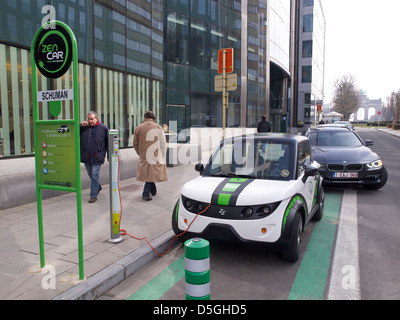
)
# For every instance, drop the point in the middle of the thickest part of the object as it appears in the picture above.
(197, 269)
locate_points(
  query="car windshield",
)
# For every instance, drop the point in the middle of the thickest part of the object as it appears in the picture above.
(252, 158)
(334, 139)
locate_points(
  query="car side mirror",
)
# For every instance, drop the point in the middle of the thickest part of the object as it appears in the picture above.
(311, 171)
(199, 168)
(369, 143)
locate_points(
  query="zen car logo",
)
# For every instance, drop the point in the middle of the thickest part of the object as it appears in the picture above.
(52, 52)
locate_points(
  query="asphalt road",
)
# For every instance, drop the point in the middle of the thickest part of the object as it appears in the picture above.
(353, 253)
(379, 225)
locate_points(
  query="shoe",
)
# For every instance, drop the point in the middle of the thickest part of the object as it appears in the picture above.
(147, 198)
(92, 200)
(153, 194)
(99, 190)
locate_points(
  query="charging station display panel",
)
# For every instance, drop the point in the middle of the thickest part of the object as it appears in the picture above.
(57, 154)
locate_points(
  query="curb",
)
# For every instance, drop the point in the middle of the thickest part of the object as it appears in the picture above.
(112, 275)
(389, 133)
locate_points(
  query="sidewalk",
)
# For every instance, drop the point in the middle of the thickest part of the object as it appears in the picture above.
(394, 133)
(105, 263)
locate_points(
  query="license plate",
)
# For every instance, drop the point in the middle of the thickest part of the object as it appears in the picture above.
(346, 175)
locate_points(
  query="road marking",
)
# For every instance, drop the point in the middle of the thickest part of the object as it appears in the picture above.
(311, 278)
(345, 275)
(159, 285)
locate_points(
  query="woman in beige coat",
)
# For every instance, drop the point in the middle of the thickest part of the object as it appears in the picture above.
(149, 143)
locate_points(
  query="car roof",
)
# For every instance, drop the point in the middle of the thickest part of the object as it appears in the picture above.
(330, 128)
(281, 137)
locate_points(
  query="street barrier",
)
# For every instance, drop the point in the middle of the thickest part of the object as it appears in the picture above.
(197, 269)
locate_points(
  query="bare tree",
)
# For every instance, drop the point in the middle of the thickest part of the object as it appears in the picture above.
(387, 111)
(346, 97)
(393, 104)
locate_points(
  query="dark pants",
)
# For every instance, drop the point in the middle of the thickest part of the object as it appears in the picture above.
(149, 187)
(93, 171)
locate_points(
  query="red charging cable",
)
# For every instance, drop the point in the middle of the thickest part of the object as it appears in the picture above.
(123, 232)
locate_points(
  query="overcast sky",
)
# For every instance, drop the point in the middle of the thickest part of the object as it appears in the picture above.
(363, 38)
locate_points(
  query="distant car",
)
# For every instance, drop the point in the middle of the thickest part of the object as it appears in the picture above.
(256, 189)
(345, 158)
(344, 124)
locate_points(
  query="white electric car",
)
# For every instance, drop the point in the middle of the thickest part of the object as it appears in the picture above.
(255, 189)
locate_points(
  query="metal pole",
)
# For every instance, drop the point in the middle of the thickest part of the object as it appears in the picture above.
(224, 94)
(115, 203)
(38, 190)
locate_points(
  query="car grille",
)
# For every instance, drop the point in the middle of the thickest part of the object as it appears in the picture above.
(343, 167)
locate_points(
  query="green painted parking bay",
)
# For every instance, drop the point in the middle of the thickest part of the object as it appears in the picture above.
(311, 278)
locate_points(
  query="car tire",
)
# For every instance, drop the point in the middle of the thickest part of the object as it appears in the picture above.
(292, 254)
(321, 200)
(381, 184)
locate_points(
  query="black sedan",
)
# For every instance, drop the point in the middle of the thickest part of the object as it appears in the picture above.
(346, 159)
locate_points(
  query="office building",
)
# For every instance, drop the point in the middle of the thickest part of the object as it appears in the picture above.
(160, 55)
(311, 66)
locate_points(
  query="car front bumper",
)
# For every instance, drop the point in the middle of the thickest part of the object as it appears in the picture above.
(364, 176)
(267, 230)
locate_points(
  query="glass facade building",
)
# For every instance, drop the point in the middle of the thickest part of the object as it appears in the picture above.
(311, 60)
(160, 55)
(120, 52)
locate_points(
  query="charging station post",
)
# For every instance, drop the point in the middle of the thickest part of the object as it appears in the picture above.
(56, 137)
(115, 201)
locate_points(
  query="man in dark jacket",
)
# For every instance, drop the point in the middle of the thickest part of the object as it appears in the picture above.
(264, 125)
(94, 148)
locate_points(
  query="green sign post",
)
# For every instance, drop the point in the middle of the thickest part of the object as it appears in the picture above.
(57, 142)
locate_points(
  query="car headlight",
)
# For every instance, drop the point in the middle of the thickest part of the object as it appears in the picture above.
(375, 164)
(193, 206)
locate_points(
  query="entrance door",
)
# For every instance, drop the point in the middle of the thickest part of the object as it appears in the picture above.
(176, 116)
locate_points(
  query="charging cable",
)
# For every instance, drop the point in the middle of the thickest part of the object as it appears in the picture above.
(123, 232)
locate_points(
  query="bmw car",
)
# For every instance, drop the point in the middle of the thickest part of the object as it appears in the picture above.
(346, 159)
(260, 189)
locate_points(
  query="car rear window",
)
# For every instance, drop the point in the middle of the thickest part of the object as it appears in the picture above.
(334, 139)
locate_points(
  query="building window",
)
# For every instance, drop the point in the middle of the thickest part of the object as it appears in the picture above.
(308, 3)
(308, 23)
(177, 38)
(306, 74)
(199, 44)
(16, 110)
(307, 49)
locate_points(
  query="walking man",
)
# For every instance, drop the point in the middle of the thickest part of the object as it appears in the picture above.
(149, 143)
(94, 148)
(264, 126)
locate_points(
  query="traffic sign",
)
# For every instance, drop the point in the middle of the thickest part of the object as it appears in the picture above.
(228, 60)
(231, 82)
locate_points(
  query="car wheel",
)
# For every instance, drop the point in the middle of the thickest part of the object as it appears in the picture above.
(320, 212)
(292, 254)
(381, 184)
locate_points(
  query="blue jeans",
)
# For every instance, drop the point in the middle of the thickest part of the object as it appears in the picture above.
(93, 170)
(149, 187)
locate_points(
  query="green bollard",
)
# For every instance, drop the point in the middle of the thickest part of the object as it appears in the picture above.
(197, 269)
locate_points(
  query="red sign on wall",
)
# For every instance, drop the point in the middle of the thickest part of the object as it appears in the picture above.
(228, 60)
